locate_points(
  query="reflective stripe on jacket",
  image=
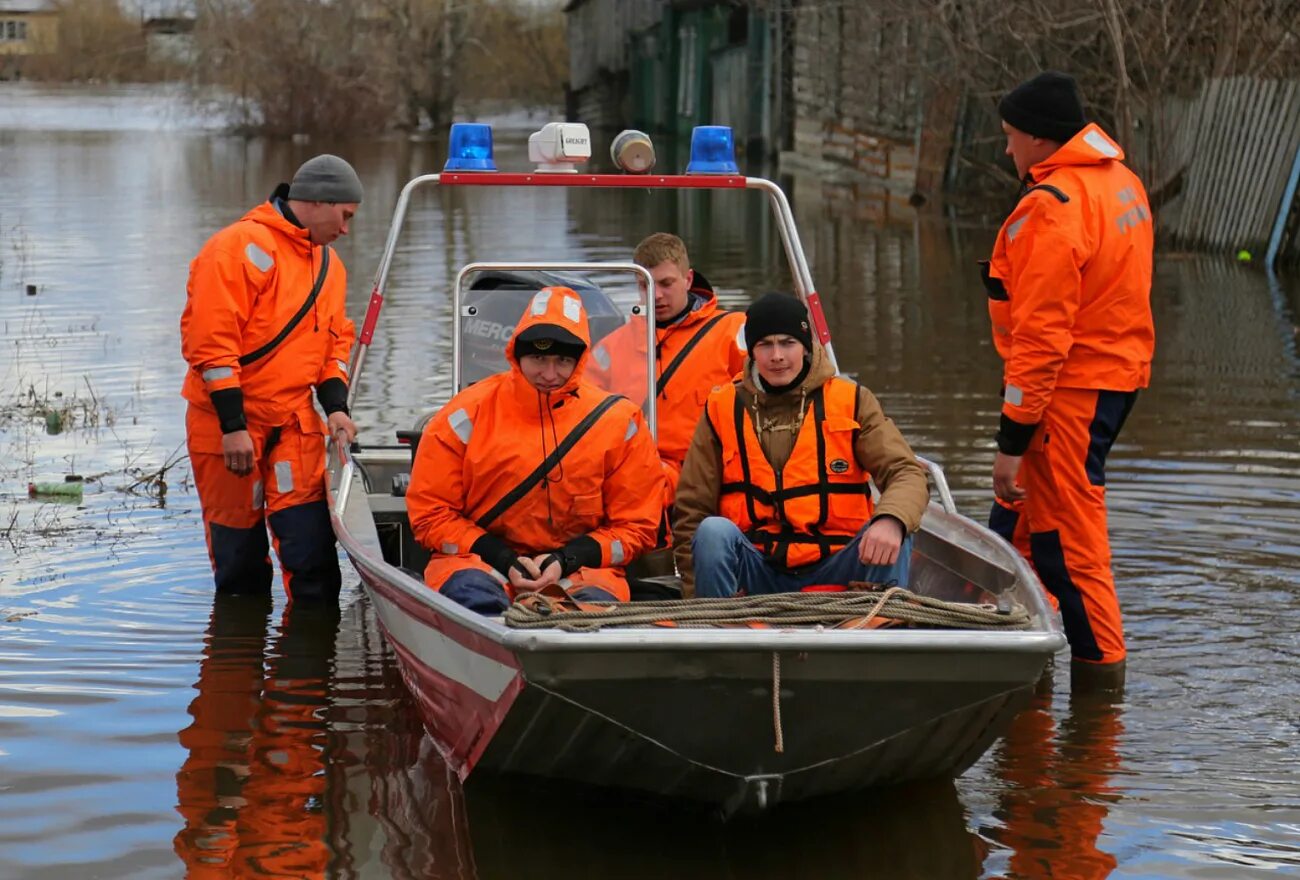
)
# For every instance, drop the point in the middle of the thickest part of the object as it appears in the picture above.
(488, 438)
(818, 501)
(245, 286)
(1069, 282)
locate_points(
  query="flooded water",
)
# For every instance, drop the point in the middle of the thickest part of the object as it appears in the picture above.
(126, 748)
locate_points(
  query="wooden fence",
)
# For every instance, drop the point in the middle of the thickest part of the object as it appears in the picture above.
(1234, 146)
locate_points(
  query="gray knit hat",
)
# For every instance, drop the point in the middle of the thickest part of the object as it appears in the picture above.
(326, 178)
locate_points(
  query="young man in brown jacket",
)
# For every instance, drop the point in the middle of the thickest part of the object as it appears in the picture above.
(774, 495)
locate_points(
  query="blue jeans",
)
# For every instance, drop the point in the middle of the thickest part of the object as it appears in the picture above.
(479, 591)
(725, 561)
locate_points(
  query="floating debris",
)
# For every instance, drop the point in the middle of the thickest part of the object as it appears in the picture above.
(66, 490)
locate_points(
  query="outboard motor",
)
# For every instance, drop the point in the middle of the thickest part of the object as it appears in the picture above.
(495, 301)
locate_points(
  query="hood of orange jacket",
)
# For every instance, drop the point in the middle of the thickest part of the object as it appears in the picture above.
(1091, 146)
(559, 309)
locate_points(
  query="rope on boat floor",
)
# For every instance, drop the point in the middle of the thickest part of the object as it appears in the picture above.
(855, 609)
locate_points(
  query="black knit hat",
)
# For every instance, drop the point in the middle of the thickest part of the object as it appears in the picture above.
(1047, 106)
(777, 313)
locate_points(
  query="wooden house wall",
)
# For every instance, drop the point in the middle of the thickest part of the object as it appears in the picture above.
(857, 99)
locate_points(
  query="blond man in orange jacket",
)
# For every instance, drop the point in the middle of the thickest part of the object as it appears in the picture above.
(1069, 288)
(535, 477)
(698, 346)
(264, 325)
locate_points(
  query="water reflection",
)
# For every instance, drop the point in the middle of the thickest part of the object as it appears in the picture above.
(1060, 787)
(525, 828)
(305, 758)
(103, 613)
(253, 788)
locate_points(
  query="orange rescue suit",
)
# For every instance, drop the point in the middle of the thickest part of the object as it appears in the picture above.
(246, 287)
(819, 500)
(488, 438)
(1069, 288)
(703, 350)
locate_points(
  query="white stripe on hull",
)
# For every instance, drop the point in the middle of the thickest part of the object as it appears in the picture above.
(483, 675)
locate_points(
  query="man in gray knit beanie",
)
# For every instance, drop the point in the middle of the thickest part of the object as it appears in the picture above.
(264, 330)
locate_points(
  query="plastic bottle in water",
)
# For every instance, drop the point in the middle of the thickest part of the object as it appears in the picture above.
(55, 490)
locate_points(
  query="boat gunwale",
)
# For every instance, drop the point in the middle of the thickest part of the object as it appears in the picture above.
(1038, 640)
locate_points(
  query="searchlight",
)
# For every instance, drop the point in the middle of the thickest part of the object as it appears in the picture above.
(559, 147)
(713, 151)
(632, 152)
(469, 148)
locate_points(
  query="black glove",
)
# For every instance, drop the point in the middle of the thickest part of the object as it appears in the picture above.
(497, 553)
(582, 552)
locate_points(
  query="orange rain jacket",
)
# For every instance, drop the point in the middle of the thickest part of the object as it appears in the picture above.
(1069, 283)
(488, 438)
(245, 286)
(713, 340)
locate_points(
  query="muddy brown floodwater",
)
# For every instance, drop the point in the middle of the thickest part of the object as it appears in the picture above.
(148, 731)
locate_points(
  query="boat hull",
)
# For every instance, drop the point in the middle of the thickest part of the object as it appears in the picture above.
(689, 714)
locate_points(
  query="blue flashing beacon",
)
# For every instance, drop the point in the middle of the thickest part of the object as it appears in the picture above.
(469, 148)
(712, 151)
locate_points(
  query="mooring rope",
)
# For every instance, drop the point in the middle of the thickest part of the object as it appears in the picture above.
(852, 609)
(776, 702)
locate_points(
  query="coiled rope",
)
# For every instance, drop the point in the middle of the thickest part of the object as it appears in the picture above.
(854, 609)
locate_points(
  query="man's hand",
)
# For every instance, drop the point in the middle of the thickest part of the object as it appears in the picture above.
(1005, 469)
(340, 423)
(881, 542)
(538, 573)
(523, 575)
(548, 564)
(237, 450)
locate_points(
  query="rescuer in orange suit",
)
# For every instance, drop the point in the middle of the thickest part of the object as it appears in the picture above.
(263, 326)
(534, 476)
(1069, 292)
(698, 347)
(775, 494)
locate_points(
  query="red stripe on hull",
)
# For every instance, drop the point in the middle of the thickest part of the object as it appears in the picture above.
(461, 722)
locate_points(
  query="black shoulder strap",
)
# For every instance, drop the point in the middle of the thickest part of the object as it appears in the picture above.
(1047, 187)
(262, 352)
(511, 498)
(686, 350)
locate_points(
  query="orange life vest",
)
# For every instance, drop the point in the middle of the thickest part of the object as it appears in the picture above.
(818, 501)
